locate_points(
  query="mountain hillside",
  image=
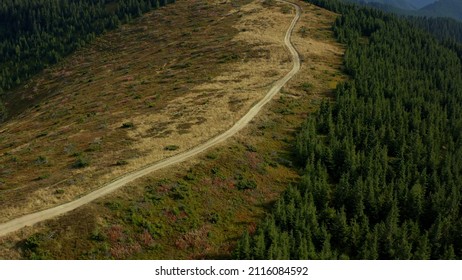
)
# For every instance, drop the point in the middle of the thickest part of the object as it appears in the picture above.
(382, 163)
(35, 34)
(179, 70)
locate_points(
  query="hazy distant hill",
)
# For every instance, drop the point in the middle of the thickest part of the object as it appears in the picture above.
(444, 8)
(418, 4)
(431, 8)
(400, 4)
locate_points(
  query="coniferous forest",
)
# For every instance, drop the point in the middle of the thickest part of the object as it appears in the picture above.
(444, 29)
(382, 163)
(37, 33)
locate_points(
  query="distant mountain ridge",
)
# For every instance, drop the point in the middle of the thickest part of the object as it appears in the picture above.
(444, 8)
(430, 8)
(400, 4)
(419, 4)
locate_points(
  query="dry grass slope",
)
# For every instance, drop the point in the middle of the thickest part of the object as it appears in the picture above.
(116, 104)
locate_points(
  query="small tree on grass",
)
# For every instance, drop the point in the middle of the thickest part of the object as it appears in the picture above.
(81, 162)
(246, 184)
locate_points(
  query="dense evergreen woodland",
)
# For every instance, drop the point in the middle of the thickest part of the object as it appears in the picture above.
(442, 28)
(383, 163)
(37, 33)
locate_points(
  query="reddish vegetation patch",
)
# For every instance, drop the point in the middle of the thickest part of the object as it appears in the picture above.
(195, 239)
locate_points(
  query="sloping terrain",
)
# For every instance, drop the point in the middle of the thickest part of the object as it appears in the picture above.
(36, 217)
(383, 163)
(182, 208)
(159, 86)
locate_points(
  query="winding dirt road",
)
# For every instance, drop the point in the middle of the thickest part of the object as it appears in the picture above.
(31, 219)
